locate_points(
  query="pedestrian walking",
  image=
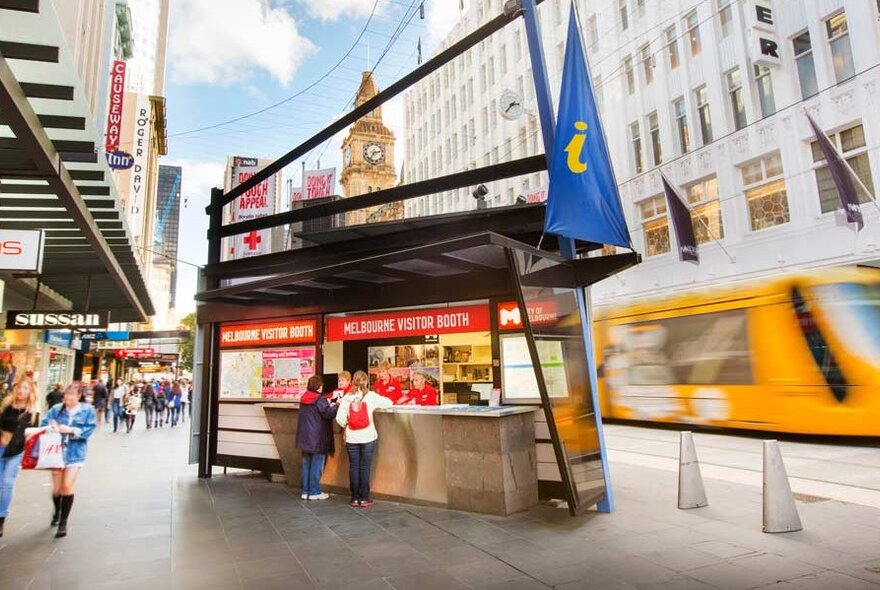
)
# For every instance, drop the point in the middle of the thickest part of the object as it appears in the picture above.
(119, 393)
(314, 437)
(99, 400)
(53, 398)
(175, 403)
(75, 420)
(18, 410)
(132, 406)
(150, 404)
(161, 405)
(355, 415)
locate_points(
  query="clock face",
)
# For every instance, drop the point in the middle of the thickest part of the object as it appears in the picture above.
(374, 153)
(510, 105)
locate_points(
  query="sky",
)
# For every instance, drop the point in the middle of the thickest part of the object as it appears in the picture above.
(298, 61)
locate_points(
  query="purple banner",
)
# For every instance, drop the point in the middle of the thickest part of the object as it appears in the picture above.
(841, 173)
(681, 224)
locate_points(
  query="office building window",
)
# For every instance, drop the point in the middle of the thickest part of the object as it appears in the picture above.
(841, 51)
(630, 75)
(647, 63)
(654, 130)
(765, 192)
(598, 92)
(735, 93)
(641, 6)
(851, 144)
(503, 59)
(624, 16)
(655, 224)
(765, 90)
(705, 210)
(672, 47)
(593, 32)
(517, 45)
(725, 17)
(701, 95)
(635, 138)
(806, 68)
(692, 26)
(681, 124)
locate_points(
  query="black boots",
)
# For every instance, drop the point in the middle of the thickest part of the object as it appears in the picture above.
(2, 522)
(57, 514)
(66, 505)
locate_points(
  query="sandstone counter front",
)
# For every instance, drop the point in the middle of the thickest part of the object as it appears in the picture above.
(473, 458)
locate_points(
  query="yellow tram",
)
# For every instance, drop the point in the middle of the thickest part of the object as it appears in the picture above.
(797, 354)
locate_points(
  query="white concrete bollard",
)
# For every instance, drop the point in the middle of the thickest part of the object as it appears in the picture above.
(780, 512)
(691, 493)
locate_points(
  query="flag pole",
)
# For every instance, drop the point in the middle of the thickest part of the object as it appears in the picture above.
(861, 183)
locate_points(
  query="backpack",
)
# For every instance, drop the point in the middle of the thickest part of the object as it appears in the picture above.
(358, 418)
(161, 401)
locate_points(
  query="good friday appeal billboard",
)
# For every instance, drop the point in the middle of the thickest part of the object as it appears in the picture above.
(256, 202)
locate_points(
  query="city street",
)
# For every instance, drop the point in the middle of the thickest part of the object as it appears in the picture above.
(143, 520)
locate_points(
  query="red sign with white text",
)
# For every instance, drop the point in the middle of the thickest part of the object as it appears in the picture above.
(421, 322)
(540, 313)
(114, 112)
(268, 334)
(135, 353)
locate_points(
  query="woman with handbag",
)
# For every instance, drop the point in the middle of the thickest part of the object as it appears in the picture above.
(76, 422)
(356, 416)
(18, 410)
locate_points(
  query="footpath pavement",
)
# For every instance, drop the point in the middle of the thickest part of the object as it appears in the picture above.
(142, 520)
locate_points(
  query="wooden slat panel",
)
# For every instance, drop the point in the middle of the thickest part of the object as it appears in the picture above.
(247, 450)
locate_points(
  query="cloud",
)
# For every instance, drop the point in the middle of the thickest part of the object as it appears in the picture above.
(199, 177)
(331, 10)
(441, 17)
(227, 41)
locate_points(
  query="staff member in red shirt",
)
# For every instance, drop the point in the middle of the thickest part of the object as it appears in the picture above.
(343, 386)
(421, 393)
(386, 385)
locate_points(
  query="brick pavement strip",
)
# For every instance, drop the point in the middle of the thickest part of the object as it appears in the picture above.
(143, 520)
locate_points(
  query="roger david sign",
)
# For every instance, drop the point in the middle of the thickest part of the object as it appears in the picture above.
(26, 320)
(763, 39)
(21, 250)
(137, 196)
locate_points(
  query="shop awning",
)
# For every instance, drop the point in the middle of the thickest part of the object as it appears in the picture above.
(462, 268)
(51, 174)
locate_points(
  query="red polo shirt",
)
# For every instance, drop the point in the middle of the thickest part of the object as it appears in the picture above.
(427, 396)
(391, 390)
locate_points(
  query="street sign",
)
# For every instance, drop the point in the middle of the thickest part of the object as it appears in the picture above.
(21, 250)
(135, 353)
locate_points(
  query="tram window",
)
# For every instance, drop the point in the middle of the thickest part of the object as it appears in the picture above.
(702, 349)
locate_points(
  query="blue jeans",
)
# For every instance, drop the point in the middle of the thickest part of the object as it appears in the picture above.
(312, 469)
(118, 417)
(360, 459)
(9, 468)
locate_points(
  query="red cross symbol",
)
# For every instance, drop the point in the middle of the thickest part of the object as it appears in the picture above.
(252, 240)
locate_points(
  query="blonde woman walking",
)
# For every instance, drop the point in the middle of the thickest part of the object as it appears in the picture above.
(18, 410)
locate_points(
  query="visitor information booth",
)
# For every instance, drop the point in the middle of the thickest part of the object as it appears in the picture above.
(514, 420)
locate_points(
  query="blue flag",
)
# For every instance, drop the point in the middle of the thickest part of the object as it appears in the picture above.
(583, 201)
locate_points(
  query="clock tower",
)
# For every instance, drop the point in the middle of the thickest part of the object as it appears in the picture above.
(368, 160)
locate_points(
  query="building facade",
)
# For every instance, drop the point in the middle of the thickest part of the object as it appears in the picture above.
(368, 159)
(683, 88)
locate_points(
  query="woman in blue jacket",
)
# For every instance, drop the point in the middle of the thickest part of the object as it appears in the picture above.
(314, 437)
(76, 421)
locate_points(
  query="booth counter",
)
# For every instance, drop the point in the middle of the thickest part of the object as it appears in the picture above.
(474, 458)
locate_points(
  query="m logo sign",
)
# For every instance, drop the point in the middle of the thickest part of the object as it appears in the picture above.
(74, 320)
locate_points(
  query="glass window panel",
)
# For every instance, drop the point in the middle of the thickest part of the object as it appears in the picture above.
(752, 173)
(853, 138)
(764, 81)
(708, 225)
(773, 165)
(693, 30)
(725, 16)
(672, 47)
(656, 236)
(768, 205)
(647, 68)
(624, 16)
(558, 352)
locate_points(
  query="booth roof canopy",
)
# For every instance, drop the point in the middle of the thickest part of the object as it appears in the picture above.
(53, 178)
(458, 269)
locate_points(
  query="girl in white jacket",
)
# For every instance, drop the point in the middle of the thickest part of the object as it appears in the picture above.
(356, 416)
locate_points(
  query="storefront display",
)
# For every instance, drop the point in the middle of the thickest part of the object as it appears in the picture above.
(275, 373)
